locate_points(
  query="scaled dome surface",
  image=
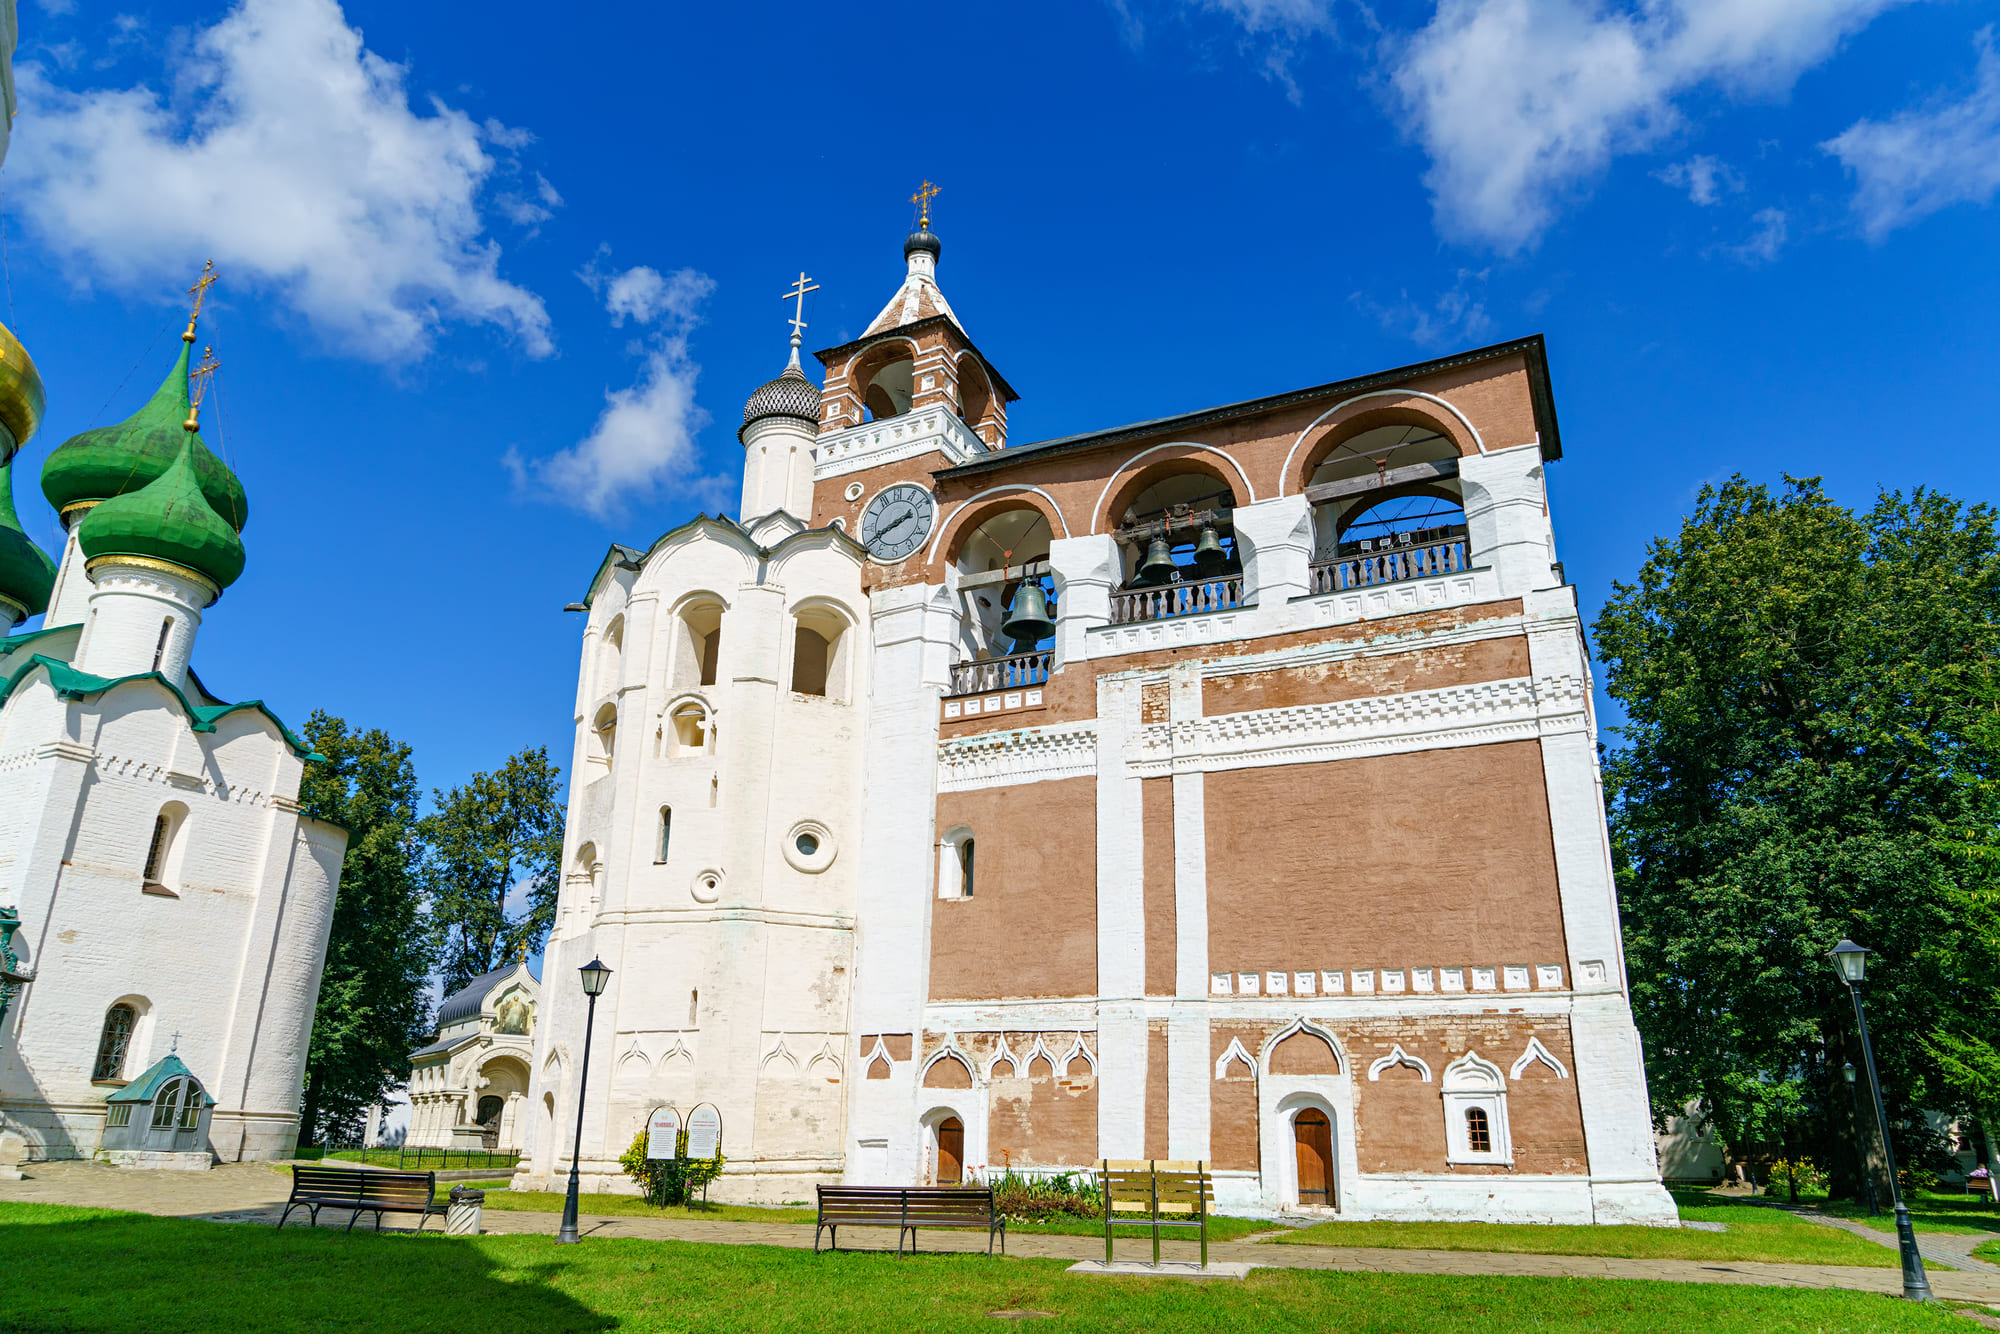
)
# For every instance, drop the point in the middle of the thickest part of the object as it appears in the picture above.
(21, 397)
(790, 395)
(110, 461)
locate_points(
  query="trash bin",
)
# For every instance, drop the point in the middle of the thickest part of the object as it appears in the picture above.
(461, 1216)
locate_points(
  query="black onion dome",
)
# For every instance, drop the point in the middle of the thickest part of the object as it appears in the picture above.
(790, 395)
(925, 239)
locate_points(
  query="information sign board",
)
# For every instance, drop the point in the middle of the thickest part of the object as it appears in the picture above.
(663, 1132)
(704, 1126)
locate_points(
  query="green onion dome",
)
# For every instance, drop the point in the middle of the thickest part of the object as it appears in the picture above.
(169, 519)
(114, 460)
(21, 398)
(26, 573)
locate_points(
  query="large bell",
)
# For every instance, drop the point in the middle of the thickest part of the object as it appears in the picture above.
(1028, 622)
(1208, 552)
(1159, 563)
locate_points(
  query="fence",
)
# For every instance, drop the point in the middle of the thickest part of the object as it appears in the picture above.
(1390, 563)
(1169, 600)
(417, 1158)
(1016, 669)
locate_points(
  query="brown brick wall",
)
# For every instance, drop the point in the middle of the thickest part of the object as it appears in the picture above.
(1156, 799)
(1359, 678)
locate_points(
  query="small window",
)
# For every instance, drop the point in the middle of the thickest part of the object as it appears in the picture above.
(165, 1103)
(190, 1106)
(690, 730)
(965, 850)
(666, 830)
(605, 728)
(1478, 1133)
(807, 844)
(160, 649)
(809, 656)
(694, 1002)
(114, 1041)
(156, 854)
(118, 1114)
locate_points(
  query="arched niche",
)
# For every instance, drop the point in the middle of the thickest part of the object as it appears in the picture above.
(697, 640)
(883, 379)
(997, 551)
(975, 395)
(1186, 503)
(1372, 412)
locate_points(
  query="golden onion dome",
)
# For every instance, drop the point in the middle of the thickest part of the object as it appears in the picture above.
(21, 398)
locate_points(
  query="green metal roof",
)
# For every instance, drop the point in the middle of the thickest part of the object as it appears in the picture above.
(27, 575)
(113, 460)
(168, 519)
(145, 1086)
(72, 684)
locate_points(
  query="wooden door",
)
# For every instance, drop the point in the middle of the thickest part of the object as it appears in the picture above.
(951, 1151)
(1315, 1148)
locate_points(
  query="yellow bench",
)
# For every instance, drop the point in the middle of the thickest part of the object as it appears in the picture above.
(1156, 1193)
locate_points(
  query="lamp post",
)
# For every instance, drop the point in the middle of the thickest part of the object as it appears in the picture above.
(1850, 962)
(595, 977)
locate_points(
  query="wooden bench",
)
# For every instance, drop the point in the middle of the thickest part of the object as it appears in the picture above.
(907, 1208)
(362, 1192)
(1156, 1194)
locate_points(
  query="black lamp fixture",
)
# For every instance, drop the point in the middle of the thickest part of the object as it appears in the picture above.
(595, 978)
(1850, 964)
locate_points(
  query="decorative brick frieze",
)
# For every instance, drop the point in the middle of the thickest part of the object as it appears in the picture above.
(997, 759)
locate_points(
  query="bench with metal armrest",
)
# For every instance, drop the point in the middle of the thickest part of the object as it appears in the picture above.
(1156, 1193)
(907, 1208)
(363, 1192)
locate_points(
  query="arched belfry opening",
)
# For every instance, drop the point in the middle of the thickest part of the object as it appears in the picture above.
(1007, 596)
(885, 378)
(1177, 537)
(1387, 506)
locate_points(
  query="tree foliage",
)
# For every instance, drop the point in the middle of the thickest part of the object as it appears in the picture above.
(492, 865)
(1809, 753)
(373, 1008)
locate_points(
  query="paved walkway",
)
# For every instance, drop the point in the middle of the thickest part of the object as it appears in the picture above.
(1937, 1248)
(252, 1192)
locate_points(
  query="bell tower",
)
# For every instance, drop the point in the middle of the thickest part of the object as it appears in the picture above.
(780, 425)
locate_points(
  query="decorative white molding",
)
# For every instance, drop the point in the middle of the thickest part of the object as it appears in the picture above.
(1537, 1052)
(1304, 1025)
(872, 444)
(946, 521)
(1016, 1070)
(1397, 1056)
(1511, 710)
(1125, 467)
(1234, 1053)
(1024, 755)
(1313, 425)
(1077, 1049)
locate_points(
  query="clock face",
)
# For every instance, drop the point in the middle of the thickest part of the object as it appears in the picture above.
(897, 521)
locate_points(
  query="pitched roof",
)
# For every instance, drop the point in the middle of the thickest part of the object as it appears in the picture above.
(468, 999)
(145, 1086)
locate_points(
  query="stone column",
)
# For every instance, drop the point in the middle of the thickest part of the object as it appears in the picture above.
(1275, 541)
(1506, 517)
(1086, 570)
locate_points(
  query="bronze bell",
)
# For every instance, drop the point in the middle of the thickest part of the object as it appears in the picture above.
(1028, 622)
(1159, 562)
(1208, 552)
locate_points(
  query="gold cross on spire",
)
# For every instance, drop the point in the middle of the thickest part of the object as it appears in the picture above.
(922, 198)
(200, 294)
(198, 379)
(798, 293)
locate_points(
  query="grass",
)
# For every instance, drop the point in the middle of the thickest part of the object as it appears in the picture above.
(80, 1270)
(1965, 1215)
(631, 1206)
(1755, 1233)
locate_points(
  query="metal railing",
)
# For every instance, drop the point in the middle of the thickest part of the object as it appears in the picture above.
(1014, 670)
(1387, 561)
(1169, 600)
(417, 1157)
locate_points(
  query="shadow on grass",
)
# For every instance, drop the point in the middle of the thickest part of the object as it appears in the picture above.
(88, 1269)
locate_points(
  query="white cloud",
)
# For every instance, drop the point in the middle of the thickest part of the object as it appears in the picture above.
(1704, 178)
(291, 155)
(646, 434)
(1457, 316)
(1521, 104)
(1764, 244)
(1925, 159)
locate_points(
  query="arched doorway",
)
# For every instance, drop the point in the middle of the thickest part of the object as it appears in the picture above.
(951, 1151)
(1313, 1137)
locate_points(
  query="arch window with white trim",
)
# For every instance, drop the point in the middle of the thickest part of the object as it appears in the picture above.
(666, 832)
(1387, 506)
(957, 863)
(604, 735)
(114, 1041)
(1475, 1112)
(1007, 589)
(691, 730)
(697, 649)
(820, 652)
(161, 874)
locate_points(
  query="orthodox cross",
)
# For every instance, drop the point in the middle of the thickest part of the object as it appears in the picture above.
(176, 1043)
(922, 198)
(798, 293)
(198, 379)
(200, 294)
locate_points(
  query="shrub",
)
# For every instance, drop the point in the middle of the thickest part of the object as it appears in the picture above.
(669, 1181)
(1025, 1199)
(1782, 1172)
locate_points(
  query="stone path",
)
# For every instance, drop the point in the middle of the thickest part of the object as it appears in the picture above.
(1937, 1248)
(252, 1192)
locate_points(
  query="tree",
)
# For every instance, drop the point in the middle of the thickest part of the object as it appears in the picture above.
(498, 838)
(373, 1005)
(1808, 753)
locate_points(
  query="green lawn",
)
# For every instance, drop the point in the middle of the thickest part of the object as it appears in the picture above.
(1965, 1215)
(631, 1206)
(1755, 1233)
(80, 1269)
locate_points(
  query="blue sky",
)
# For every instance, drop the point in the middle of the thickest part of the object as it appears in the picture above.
(497, 280)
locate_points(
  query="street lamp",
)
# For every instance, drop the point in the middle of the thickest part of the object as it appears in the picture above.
(1850, 962)
(595, 977)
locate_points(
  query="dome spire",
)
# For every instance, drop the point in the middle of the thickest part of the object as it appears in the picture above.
(798, 321)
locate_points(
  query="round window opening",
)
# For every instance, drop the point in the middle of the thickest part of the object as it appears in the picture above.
(807, 845)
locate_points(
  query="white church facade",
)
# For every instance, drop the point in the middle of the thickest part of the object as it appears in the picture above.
(166, 903)
(1218, 787)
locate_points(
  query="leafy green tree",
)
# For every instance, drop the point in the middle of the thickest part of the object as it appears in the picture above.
(1809, 750)
(499, 836)
(373, 1005)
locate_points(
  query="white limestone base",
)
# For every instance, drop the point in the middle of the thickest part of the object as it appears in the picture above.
(1165, 1269)
(158, 1160)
